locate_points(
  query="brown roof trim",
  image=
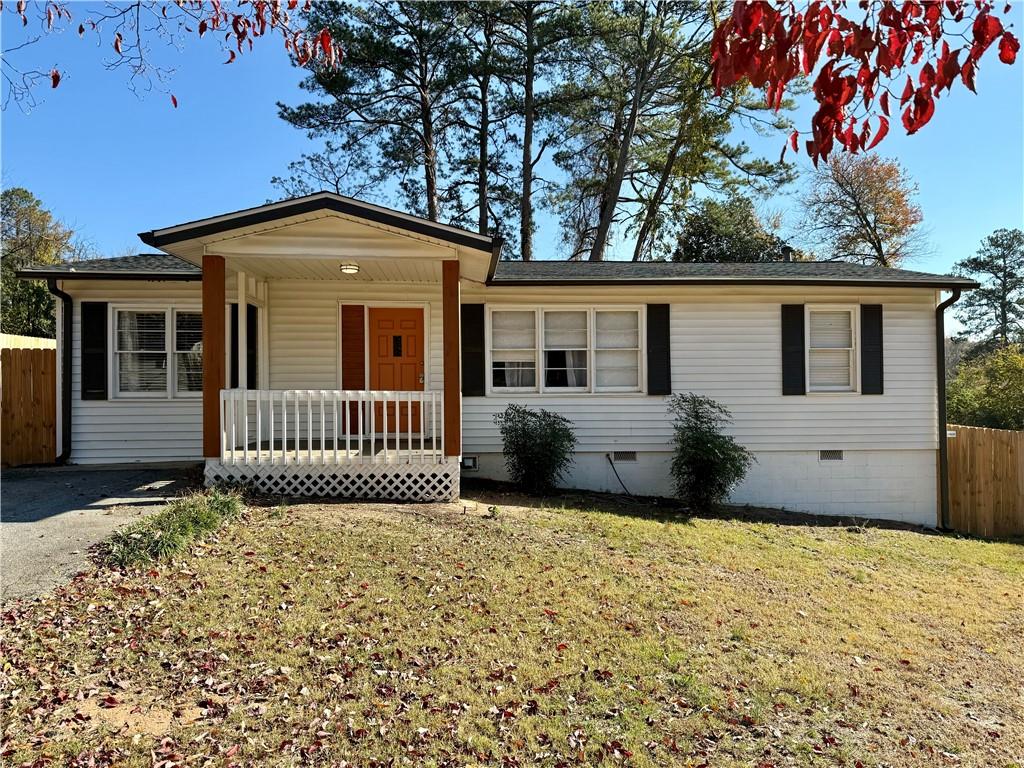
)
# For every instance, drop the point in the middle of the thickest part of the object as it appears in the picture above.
(263, 215)
(495, 258)
(29, 274)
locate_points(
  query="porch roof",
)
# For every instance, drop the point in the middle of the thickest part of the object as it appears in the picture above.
(311, 237)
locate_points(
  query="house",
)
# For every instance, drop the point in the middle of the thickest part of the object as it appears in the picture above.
(327, 346)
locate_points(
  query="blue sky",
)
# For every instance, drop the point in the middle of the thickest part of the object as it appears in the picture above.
(112, 163)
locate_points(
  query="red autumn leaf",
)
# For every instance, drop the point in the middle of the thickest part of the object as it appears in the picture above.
(883, 128)
(908, 91)
(1008, 47)
(117, 42)
(174, 101)
(549, 612)
(883, 102)
(231, 57)
(986, 29)
(202, 27)
(793, 137)
(325, 40)
(54, 78)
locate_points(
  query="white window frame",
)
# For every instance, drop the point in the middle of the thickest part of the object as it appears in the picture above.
(537, 372)
(170, 311)
(591, 388)
(854, 349)
(587, 312)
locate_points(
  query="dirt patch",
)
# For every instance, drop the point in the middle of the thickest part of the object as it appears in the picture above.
(127, 717)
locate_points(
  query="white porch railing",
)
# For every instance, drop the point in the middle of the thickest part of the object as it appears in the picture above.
(330, 427)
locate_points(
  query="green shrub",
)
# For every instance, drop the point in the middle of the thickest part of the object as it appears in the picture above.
(169, 531)
(707, 464)
(539, 446)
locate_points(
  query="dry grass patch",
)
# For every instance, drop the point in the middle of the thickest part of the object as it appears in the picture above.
(514, 634)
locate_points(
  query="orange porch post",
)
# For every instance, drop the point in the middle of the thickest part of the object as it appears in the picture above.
(213, 352)
(452, 359)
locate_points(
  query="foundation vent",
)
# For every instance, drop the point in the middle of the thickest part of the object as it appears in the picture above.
(624, 456)
(830, 455)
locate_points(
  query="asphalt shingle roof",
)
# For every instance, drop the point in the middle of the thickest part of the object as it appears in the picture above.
(163, 266)
(140, 265)
(805, 272)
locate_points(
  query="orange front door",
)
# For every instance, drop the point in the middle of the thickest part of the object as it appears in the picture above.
(396, 360)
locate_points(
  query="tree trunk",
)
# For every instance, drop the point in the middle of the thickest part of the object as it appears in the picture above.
(429, 155)
(654, 205)
(483, 159)
(614, 187)
(526, 202)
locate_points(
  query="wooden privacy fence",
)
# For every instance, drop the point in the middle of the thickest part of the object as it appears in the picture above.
(986, 481)
(28, 406)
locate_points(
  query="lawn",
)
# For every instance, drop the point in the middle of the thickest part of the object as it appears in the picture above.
(581, 631)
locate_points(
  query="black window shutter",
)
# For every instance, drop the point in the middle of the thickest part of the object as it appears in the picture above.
(793, 374)
(94, 350)
(659, 352)
(871, 349)
(234, 346)
(473, 357)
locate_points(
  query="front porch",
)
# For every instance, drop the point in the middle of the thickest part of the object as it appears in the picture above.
(331, 347)
(349, 443)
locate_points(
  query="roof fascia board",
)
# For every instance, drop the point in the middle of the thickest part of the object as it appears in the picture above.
(507, 282)
(162, 277)
(255, 216)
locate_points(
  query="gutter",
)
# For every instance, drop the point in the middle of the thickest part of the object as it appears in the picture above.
(65, 370)
(508, 282)
(940, 376)
(193, 277)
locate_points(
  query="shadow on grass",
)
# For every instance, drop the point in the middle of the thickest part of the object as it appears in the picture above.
(667, 510)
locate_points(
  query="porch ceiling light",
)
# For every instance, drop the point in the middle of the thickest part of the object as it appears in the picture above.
(349, 269)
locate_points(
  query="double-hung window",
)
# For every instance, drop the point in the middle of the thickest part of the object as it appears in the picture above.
(831, 349)
(566, 350)
(514, 350)
(617, 350)
(158, 353)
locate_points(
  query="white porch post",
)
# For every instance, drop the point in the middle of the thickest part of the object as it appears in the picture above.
(241, 317)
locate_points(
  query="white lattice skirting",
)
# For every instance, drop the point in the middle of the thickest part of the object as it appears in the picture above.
(392, 482)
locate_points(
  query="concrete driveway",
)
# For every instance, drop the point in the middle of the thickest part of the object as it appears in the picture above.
(49, 518)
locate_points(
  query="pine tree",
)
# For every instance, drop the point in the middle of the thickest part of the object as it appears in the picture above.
(994, 313)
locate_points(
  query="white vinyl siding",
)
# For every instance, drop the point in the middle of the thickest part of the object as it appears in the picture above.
(831, 349)
(303, 322)
(726, 343)
(122, 430)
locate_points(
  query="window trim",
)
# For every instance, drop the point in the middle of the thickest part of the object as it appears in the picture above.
(591, 389)
(854, 349)
(171, 391)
